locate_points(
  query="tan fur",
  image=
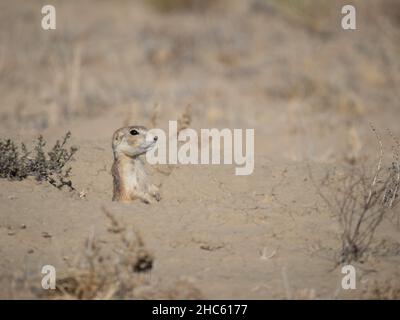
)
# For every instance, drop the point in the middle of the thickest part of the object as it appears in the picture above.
(129, 177)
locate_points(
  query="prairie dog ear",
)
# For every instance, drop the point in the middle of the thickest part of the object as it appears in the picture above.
(117, 138)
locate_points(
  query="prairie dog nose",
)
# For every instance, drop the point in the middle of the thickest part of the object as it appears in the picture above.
(149, 137)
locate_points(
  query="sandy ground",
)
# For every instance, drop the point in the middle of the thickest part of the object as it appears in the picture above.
(309, 93)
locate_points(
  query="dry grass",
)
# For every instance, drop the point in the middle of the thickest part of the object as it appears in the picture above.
(155, 116)
(120, 272)
(311, 14)
(185, 118)
(174, 5)
(382, 290)
(184, 122)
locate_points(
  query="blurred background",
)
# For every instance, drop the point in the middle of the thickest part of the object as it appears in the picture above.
(285, 68)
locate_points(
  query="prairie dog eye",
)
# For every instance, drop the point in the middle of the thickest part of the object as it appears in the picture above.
(134, 132)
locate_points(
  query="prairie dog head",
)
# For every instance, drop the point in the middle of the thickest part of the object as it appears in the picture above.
(132, 141)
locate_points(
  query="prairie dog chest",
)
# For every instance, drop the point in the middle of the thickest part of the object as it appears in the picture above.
(134, 174)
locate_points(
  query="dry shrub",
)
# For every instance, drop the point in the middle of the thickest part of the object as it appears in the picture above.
(122, 272)
(361, 201)
(105, 274)
(18, 164)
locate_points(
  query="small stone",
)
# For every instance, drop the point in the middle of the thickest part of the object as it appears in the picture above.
(82, 194)
(46, 234)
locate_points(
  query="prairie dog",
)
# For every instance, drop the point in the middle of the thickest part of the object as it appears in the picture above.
(129, 177)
